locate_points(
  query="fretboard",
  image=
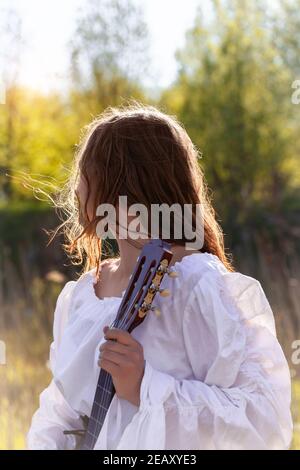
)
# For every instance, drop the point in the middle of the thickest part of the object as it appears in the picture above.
(104, 393)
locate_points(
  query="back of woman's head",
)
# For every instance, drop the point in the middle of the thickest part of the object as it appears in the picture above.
(142, 153)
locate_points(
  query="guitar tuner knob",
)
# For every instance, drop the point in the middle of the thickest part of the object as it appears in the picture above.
(144, 309)
(165, 270)
(164, 292)
(162, 269)
(142, 313)
(153, 288)
(156, 311)
(172, 274)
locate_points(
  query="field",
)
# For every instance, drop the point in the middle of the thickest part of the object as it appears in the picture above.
(26, 373)
(231, 103)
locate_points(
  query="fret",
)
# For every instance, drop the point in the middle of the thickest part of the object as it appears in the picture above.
(95, 425)
(103, 396)
(101, 406)
(103, 388)
(91, 434)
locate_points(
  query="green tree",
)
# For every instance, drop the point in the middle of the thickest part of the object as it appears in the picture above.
(233, 95)
(12, 43)
(109, 55)
(42, 143)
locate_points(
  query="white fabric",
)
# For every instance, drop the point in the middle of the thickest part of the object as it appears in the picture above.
(215, 375)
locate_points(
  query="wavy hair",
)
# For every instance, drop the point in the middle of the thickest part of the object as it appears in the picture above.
(138, 151)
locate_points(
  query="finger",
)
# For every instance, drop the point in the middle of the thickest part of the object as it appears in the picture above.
(121, 336)
(109, 366)
(105, 329)
(110, 345)
(116, 358)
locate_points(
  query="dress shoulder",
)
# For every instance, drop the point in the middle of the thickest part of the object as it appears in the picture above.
(191, 268)
(205, 273)
(234, 312)
(243, 295)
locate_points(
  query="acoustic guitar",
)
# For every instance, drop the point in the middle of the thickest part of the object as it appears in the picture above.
(144, 284)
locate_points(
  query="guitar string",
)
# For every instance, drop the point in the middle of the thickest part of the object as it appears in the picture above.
(108, 377)
(100, 413)
(99, 419)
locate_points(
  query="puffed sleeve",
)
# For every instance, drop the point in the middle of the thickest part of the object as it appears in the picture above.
(54, 415)
(241, 398)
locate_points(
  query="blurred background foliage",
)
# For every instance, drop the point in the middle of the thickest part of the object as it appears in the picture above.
(233, 95)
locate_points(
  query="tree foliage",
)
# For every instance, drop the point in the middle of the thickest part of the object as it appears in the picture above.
(233, 93)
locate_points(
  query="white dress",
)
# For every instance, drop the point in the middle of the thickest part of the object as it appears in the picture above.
(215, 375)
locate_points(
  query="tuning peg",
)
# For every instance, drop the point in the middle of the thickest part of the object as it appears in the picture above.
(164, 292)
(162, 269)
(172, 273)
(165, 270)
(157, 311)
(145, 308)
(142, 313)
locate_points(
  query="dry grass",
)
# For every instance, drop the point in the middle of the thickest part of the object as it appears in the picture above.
(26, 331)
(21, 382)
(25, 375)
(296, 414)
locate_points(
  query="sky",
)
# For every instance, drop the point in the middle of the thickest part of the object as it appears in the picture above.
(47, 26)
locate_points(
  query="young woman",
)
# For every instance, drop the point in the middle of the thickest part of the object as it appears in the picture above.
(208, 373)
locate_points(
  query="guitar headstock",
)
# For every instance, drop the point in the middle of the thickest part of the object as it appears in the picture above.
(152, 265)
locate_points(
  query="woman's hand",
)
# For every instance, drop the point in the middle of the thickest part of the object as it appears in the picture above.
(124, 360)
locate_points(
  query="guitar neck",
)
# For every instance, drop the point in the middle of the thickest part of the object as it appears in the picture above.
(145, 281)
(103, 396)
(105, 391)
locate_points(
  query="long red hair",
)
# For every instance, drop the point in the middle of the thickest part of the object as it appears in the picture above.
(141, 152)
